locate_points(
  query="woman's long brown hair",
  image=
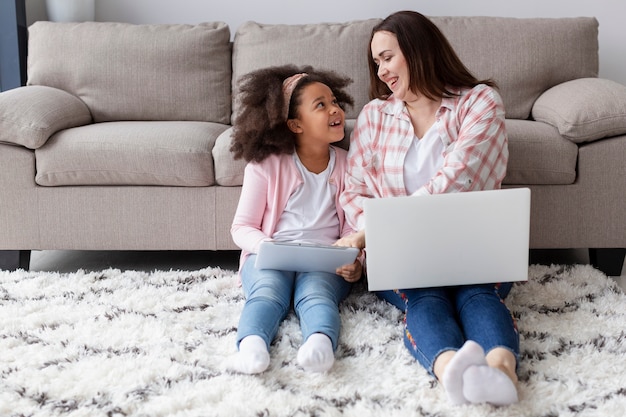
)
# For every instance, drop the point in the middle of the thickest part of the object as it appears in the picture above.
(434, 66)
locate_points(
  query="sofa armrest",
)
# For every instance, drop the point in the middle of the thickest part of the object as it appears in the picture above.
(30, 115)
(584, 110)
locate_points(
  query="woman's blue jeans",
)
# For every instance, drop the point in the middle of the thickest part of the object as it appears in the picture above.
(441, 319)
(316, 297)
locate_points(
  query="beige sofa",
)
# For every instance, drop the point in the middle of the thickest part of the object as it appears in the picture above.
(120, 140)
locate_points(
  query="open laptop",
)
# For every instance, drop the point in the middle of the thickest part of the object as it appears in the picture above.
(447, 239)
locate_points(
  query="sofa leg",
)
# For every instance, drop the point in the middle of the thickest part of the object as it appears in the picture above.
(11, 260)
(608, 260)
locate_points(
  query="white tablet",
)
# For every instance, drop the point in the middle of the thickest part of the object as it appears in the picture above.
(303, 257)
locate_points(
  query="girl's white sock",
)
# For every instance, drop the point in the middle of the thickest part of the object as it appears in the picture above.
(253, 356)
(316, 354)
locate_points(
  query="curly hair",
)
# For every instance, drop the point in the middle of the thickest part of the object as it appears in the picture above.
(260, 128)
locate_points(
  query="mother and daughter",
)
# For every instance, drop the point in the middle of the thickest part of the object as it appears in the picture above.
(431, 127)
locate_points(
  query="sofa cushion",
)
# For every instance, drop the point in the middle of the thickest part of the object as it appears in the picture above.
(228, 170)
(538, 154)
(524, 56)
(30, 115)
(136, 72)
(584, 110)
(341, 47)
(130, 153)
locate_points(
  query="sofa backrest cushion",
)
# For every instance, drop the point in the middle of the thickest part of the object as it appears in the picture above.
(136, 72)
(341, 47)
(524, 56)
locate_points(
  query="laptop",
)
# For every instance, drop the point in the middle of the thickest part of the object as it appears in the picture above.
(303, 257)
(447, 239)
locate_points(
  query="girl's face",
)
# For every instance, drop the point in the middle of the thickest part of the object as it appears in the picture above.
(393, 69)
(319, 117)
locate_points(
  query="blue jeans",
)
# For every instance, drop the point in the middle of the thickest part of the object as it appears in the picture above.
(441, 319)
(316, 297)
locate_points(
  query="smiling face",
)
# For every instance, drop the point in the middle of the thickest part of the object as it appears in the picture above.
(393, 68)
(319, 118)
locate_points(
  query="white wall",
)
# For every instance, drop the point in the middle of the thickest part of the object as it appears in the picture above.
(610, 14)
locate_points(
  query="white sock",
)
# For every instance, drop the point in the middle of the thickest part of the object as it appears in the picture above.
(471, 353)
(253, 356)
(484, 384)
(316, 354)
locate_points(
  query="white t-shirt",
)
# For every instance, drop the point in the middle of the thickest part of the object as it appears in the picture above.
(310, 214)
(423, 160)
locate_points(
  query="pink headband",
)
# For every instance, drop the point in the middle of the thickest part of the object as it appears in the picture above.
(288, 86)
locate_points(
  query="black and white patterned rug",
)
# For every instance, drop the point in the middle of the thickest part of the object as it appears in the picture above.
(126, 343)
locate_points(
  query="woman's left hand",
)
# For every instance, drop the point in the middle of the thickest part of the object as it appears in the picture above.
(355, 240)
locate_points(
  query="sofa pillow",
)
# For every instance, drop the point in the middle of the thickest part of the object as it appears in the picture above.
(584, 110)
(30, 115)
(130, 153)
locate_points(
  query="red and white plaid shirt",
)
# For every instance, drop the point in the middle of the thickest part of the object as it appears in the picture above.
(471, 126)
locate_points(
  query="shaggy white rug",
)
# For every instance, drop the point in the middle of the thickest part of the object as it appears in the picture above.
(125, 343)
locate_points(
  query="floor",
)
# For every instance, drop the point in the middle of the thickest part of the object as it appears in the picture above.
(68, 261)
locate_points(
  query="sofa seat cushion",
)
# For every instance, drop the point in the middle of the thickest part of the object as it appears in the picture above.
(130, 153)
(228, 170)
(538, 154)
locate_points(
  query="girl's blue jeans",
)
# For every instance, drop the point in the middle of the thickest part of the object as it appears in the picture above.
(316, 297)
(441, 319)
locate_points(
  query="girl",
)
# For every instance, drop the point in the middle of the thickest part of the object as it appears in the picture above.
(432, 127)
(289, 118)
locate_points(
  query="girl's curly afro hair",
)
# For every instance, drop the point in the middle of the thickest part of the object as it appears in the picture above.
(260, 128)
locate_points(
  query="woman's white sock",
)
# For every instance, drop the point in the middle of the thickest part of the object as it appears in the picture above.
(483, 384)
(316, 354)
(471, 353)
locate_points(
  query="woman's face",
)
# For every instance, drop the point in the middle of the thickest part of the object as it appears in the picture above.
(393, 69)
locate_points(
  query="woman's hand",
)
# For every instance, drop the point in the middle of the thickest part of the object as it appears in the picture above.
(355, 240)
(351, 272)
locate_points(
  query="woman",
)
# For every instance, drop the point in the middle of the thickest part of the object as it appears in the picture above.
(431, 128)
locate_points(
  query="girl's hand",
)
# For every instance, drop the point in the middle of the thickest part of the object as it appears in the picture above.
(355, 240)
(351, 272)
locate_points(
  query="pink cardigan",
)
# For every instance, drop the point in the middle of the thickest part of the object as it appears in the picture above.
(266, 189)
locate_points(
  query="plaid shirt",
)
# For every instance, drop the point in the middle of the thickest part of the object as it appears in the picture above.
(471, 126)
